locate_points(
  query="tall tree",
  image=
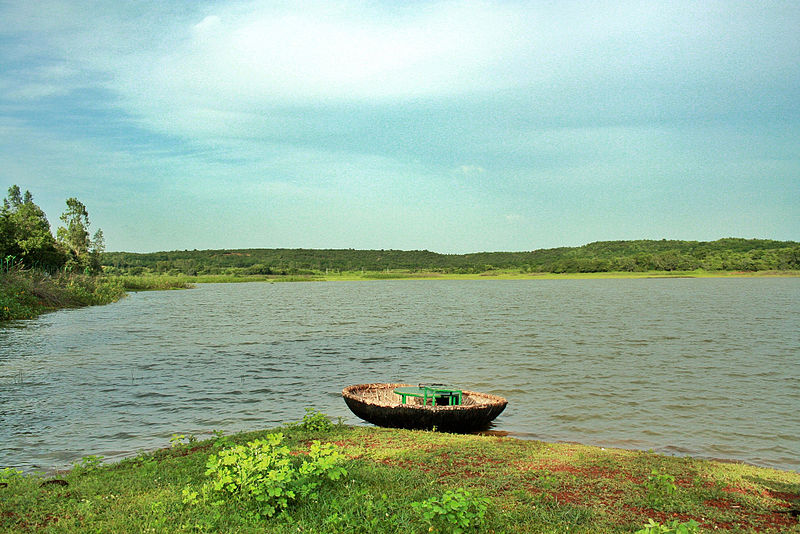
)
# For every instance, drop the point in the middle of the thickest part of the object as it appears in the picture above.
(98, 247)
(74, 237)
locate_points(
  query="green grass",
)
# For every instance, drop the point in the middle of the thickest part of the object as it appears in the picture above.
(153, 282)
(24, 294)
(527, 486)
(160, 282)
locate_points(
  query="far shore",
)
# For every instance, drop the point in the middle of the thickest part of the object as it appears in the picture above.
(162, 281)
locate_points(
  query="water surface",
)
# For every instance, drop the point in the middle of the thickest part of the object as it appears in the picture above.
(705, 367)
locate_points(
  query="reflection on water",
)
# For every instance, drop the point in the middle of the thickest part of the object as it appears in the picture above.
(705, 367)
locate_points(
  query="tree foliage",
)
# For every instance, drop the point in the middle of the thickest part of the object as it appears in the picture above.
(731, 254)
(83, 252)
(25, 232)
(25, 236)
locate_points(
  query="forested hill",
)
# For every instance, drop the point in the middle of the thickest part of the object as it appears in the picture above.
(731, 254)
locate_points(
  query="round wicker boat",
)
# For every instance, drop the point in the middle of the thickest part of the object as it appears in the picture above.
(379, 405)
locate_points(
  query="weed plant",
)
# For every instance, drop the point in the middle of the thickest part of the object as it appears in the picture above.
(456, 511)
(673, 527)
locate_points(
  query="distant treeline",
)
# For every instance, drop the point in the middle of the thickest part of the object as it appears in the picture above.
(731, 254)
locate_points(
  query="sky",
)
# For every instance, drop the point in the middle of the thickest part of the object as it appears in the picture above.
(449, 126)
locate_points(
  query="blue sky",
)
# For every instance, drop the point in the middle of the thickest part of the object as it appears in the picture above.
(448, 126)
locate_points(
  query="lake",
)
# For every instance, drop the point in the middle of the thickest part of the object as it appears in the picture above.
(701, 367)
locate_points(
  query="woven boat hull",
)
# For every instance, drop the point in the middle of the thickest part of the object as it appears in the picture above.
(375, 403)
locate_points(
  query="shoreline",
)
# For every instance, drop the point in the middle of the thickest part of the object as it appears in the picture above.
(528, 486)
(163, 281)
(663, 450)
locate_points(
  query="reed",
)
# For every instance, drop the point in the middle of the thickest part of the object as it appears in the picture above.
(153, 282)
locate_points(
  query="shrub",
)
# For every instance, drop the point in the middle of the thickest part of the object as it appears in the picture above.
(87, 463)
(661, 489)
(8, 475)
(455, 511)
(315, 421)
(262, 477)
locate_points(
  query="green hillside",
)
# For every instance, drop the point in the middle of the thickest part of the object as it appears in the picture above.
(730, 254)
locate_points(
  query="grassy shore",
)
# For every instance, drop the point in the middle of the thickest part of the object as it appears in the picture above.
(398, 481)
(25, 294)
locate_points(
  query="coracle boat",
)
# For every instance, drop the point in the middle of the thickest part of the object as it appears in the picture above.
(423, 407)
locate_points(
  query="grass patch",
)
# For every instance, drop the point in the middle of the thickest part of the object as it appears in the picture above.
(153, 282)
(399, 481)
(24, 293)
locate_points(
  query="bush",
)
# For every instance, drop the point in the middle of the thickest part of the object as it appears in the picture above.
(456, 511)
(674, 527)
(661, 489)
(315, 421)
(26, 293)
(262, 477)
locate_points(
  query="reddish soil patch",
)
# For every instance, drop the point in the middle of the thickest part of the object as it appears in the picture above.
(406, 464)
(781, 495)
(731, 489)
(721, 504)
(588, 472)
(774, 519)
(757, 522)
(568, 497)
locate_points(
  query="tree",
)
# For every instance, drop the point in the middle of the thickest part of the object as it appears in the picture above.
(25, 232)
(84, 253)
(98, 247)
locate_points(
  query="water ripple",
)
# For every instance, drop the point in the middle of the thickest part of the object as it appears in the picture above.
(700, 367)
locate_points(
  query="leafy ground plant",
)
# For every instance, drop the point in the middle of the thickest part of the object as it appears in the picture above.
(262, 477)
(88, 463)
(314, 421)
(661, 489)
(455, 511)
(179, 439)
(8, 475)
(673, 527)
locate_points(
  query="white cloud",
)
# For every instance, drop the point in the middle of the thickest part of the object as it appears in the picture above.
(179, 69)
(320, 52)
(515, 104)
